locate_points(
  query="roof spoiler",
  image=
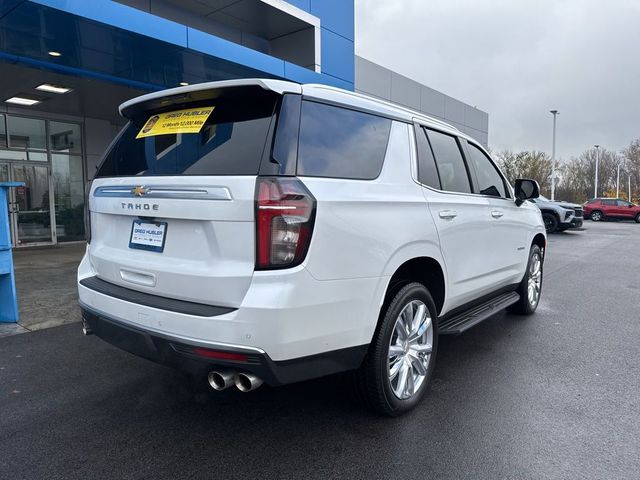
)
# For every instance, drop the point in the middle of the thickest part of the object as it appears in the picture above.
(202, 91)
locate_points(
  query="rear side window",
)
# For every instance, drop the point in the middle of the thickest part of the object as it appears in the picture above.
(609, 203)
(339, 143)
(453, 171)
(490, 181)
(231, 142)
(427, 170)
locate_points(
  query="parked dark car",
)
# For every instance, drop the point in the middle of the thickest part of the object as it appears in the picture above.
(603, 208)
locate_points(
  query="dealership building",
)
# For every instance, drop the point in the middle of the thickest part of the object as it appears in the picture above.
(66, 65)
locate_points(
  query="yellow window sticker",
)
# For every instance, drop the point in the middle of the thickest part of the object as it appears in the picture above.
(190, 120)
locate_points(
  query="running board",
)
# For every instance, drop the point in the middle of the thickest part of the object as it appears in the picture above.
(465, 320)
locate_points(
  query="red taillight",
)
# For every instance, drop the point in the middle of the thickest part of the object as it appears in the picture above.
(217, 355)
(285, 211)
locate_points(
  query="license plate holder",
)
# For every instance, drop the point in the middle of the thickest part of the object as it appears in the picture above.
(148, 235)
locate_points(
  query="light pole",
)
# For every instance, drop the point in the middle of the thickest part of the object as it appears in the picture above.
(595, 189)
(630, 189)
(555, 113)
(618, 182)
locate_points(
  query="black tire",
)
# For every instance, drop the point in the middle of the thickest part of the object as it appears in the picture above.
(524, 306)
(372, 379)
(638, 218)
(597, 215)
(550, 222)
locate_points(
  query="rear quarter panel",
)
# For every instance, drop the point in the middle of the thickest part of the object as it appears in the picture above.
(368, 228)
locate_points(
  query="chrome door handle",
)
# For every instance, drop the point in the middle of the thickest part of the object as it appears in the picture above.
(496, 213)
(448, 214)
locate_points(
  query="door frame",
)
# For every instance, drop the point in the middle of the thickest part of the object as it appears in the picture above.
(13, 215)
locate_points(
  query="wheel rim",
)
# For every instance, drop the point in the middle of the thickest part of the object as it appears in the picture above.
(548, 223)
(410, 349)
(595, 216)
(535, 279)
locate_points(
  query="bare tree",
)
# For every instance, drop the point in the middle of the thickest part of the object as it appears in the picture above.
(528, 164)
(631, 156)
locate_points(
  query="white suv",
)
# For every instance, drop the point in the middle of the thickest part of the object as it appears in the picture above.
(261, 230)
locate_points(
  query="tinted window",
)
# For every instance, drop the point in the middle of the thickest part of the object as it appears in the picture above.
(27, 133)
(65, 137)
(609, 203)
(231, 142)
(340, 143)
(453, 171)
(3, 134)
(624, 203)
(427, 171)
(489, 180)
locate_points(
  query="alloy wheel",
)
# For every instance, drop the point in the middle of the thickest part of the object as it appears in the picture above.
(535, 279)
(410, 349)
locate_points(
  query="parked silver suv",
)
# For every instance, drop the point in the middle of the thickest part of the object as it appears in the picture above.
(559, 216)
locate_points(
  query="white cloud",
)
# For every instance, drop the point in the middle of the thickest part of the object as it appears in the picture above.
(517, 60)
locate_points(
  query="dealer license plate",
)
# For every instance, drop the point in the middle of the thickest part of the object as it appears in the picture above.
(148, 236)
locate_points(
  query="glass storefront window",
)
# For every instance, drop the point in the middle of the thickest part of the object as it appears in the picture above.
(32, 203)
(65, 137)
(3, 132)
(27, 133)
(68, 189)
(43, 154)
(13, 155)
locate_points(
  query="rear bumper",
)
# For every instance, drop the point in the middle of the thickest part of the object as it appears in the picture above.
(182, 353)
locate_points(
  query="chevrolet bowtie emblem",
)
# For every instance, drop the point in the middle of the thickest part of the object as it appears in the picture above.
(139, 191)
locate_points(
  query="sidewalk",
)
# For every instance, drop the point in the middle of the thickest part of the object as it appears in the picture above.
(46, 285)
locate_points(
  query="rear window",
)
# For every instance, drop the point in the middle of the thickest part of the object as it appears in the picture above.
(231, 142)
(339, 143)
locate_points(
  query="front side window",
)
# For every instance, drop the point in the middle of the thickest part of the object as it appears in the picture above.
(490, 181)
(339, 143)
(624, 203)
(453, 171)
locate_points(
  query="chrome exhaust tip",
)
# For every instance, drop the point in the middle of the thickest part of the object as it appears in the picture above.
(220, 380)
(86, 329)
(245, 382)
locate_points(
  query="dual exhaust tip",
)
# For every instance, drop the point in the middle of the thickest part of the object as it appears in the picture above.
(221, 380)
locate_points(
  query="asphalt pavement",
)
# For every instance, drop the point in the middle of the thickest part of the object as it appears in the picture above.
(556, 396)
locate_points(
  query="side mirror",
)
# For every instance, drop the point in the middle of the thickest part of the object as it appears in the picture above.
(526, 189)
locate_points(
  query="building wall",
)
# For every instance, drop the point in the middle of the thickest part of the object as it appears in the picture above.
(136, 42)
(378, 81)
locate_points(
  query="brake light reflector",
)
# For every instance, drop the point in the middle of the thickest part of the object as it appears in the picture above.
(285, 212)
(217, 355)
